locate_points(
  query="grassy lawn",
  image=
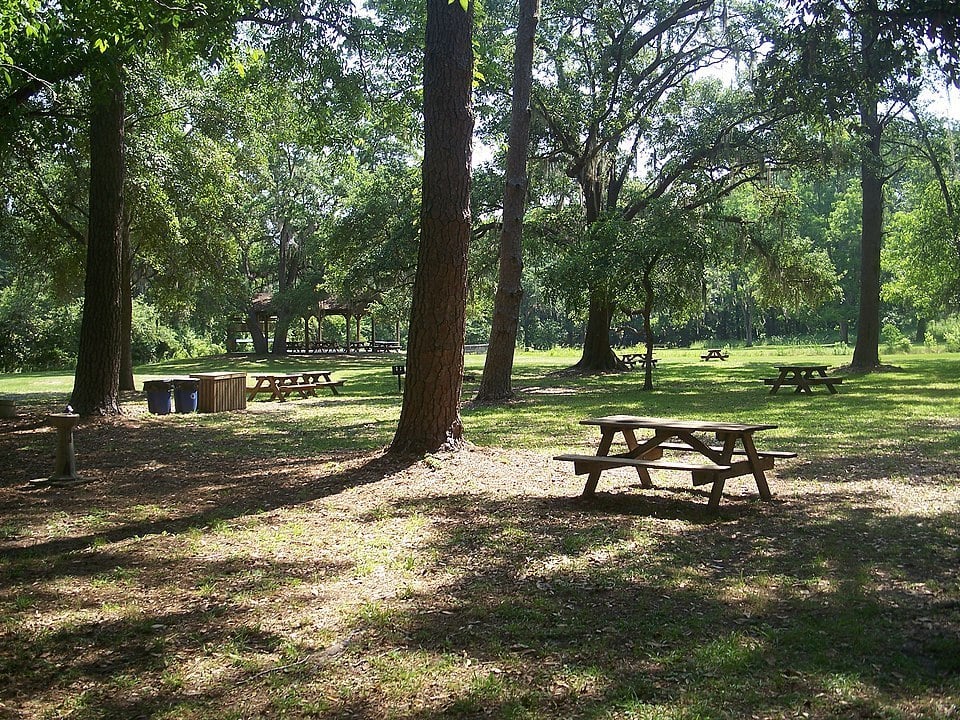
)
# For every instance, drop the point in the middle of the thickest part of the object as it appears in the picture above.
(274, 563)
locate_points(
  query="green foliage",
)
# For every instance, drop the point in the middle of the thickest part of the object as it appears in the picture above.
(152, 340)
(922, 254)
(369, 251)
(893, 340)
(40, 332)
(947, 332)
(36, 331)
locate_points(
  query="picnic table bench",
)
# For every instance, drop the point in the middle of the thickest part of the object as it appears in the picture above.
(715, 354)
(804, 377)
(716, 463)
(305, 384)
(631, 360)
(321, 378)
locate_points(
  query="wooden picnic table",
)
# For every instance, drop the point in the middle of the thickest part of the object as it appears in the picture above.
(804, 377)
(714, 354)
(304, 383)
(718, 460)
(631, 360)
(325, 346)
(272, 383)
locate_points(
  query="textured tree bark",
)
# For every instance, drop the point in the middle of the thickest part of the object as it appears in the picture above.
(97, 379)
(286, 273)
(866, 353)
(260, 344)
(495, 385)
(647, 327)
(598, 356)
(430, 415)
(126, 309)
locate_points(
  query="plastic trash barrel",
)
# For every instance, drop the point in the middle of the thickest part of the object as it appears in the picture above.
(158, 396)
(185, 394)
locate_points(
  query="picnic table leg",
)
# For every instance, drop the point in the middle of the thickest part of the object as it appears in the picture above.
(716, 493)
(778, 383)
(758, 474)
(252, 392)
(606, 439)
(830, 387)
(726, 454)
(632, 443)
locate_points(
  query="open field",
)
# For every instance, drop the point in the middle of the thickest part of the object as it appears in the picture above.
(273, 563)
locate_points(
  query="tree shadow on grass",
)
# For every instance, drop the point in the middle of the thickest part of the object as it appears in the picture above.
(733, 619)
(186, 480)
(828, 603)
(662, 501)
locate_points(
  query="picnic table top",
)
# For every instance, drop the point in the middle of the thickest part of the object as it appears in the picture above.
(801, 366)
(655, 423)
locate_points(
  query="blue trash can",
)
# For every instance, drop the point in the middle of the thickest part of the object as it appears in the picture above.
(158, 396)
(185, 394)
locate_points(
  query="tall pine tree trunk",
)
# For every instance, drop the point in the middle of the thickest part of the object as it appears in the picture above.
(126, 309)
(97, 379)
(495, 385)
(866, 353)
(430, 415)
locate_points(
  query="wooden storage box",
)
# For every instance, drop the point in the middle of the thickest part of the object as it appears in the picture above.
(221, 391)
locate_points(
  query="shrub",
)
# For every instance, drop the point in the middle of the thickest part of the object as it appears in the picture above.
(947, 333)
(153, 341)
(893, 340)
(36, 332)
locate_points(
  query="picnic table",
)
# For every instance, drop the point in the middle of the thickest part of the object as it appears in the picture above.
(631, 360)
(304, 383)
(718, 460)
(714, 354)
(325, 346)
(804, 377)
